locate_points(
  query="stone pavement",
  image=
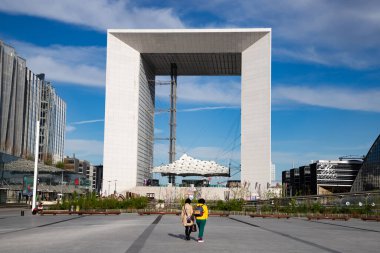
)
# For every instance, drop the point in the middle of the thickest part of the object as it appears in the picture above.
(164, 234)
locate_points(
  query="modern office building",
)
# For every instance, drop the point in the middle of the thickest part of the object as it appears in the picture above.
(24, 99)
(71, 164)
(273, 174)
(321, 177)
(286, 186)
(92, 177)
(83, 166)
(295, 181)
(306, 186)
(335, 176)
(136, 57)
(99, 179)
(368, 178)
(34, 85)
(13, 102)
(52, 123)
(87, 169)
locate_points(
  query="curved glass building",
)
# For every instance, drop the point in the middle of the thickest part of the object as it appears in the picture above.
(368, 178)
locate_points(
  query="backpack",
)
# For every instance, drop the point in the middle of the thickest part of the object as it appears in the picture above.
(198, 212)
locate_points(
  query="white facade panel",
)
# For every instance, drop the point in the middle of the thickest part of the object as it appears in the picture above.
(145, 122)
(121, 114)
(256, 115)
(128, 140)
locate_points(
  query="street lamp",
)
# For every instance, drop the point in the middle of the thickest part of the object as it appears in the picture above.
(36, 151)
(102, 188)
(115, 187)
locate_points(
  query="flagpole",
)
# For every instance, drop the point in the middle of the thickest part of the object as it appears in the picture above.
(36, 151)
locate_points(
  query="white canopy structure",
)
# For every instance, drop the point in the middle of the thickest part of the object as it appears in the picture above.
(188, 166)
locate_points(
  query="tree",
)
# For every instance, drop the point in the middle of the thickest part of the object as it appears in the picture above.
(60, 165)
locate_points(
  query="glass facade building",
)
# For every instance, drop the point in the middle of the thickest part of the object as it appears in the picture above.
(368, 178)
(13, 105)
(305, 180)
(99, 178)
(24, 99)
(52, 123)
(286, 186)
(33, 112)
(321, 177)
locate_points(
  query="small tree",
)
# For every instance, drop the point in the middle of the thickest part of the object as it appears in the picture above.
(60, 165)
(241, 192)
(48, 161)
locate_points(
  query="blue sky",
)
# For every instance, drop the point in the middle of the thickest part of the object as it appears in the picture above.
(325, 72)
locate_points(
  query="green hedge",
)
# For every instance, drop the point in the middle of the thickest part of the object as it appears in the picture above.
(315, 208)
(230, 205)
(90, 201)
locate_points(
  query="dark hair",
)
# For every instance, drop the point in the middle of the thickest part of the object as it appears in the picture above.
(201, 201)
(188, 201)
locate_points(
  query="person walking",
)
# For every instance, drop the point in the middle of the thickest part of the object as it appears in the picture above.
(201, 215)
(187, 218)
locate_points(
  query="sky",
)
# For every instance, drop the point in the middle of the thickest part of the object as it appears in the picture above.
(325, 73)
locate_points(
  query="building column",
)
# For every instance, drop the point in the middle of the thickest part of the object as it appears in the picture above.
(256, 115)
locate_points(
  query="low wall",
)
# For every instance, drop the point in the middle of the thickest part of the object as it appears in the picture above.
(172, 192)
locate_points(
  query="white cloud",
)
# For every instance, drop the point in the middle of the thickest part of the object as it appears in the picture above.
(328, 96)
(85, 149)
(333, 33)
(70, 128)
(82, 65)
(87, 122)
(158, 131)
(327, 58)
(208, 108)
(160, 153)
(76, 65)
(96, 14)
(195, 90)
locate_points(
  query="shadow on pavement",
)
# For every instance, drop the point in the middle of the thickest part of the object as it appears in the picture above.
(181, 236)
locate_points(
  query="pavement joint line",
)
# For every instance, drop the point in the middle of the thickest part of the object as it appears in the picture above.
(40, 226)
(6, 217)
(53, 223)
(138, 244)
(345, 226)
(289, 236)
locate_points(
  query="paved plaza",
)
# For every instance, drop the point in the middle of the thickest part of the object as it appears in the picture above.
(164, 234)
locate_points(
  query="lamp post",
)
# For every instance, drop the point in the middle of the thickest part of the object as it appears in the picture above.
(104, 191)
(115, 187)
(109, 181)
(62, 183)
(36, 151)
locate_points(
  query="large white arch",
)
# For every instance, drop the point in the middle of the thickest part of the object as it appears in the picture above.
(134, 57)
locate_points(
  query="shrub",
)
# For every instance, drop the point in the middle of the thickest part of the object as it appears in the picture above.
(316, 207)
(90, 201)
(266, 208)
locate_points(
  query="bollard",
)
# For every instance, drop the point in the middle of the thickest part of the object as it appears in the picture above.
(22, 212)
